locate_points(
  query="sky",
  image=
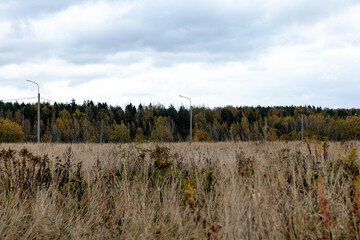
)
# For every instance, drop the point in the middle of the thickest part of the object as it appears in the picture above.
(216, 52)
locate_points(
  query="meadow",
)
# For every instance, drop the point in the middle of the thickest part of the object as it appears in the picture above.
(242, 190)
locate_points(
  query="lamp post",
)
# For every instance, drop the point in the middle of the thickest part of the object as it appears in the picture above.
(190, 116)
(38, 113)
(302, 127)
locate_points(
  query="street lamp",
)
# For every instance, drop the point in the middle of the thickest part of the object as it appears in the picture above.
(38, 117)
(302, 126)
(190, 116)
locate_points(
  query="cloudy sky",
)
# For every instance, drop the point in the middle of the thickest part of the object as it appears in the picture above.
(217, 52)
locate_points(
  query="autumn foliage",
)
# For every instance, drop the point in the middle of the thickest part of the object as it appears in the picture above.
(161, 133)
(100, 123)
(10, 131)
(120, 133)
(202, 136)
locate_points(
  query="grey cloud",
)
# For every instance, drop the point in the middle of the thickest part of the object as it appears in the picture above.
(197, 27)
(167, 32)
(228, 33)
(23, 9)
(178, 27)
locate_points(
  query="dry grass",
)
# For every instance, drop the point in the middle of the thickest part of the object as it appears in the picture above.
(273, 190)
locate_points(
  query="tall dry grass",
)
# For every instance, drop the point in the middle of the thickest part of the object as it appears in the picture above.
(273, 190)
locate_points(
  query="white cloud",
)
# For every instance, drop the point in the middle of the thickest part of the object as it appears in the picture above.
(77, 21)
(219, 52)
(5, 28)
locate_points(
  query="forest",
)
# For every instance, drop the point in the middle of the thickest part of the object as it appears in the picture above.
(103, 123)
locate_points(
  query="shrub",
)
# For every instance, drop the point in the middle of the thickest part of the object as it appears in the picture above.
(10, 131)
(202, 136)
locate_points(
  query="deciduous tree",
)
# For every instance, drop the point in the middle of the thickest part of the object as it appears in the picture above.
(10, 131)
(161, 133)
(120, 133)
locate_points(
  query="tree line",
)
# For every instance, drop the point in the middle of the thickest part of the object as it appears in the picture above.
(102, 123)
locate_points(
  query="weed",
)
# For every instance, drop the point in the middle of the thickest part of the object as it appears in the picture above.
(327, 219)
(272, 190)
(244, 164)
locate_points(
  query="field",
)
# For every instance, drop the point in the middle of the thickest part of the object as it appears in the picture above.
(248, 190)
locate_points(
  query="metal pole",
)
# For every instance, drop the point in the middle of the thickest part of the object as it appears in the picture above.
(190, 116)
(302, 127)
(38, 121)
(190, 122)
(38, 112)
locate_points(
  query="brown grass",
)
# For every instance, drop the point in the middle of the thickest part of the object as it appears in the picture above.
(273, 190)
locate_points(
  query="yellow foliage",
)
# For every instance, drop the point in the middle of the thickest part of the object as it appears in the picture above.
(120, 133)
(272, 134)
(202, 136)
(139, 137)
(353, 156)
(161, 133)
(10, 132)
(190, 193)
